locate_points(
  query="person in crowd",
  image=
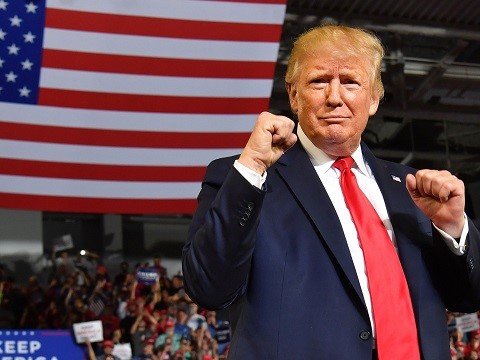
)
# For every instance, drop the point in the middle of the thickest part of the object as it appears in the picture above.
(101, 273)
(147, 351)
(77, 311)
(162, 319)
(195, 320)
(140, 332)
(164, 351)
(218, 330)
(7, 316)
(176, 291)
(306, 236)
(169, 336)
(212, 322)
(110, 321)
(181, 326)
(63, 260)
(164, 301)
(206, 345)
(473, 345)
(157, 264)
(121, 302)
(87, 262)
(130, 315)
(120, 279)
(187, 348)
(53, 316)
(460, 348)
(107, 351)
(100, 296)
(33, 312)
(453, 353)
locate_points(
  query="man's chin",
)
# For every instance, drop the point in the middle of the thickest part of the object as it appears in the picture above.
(339, 146)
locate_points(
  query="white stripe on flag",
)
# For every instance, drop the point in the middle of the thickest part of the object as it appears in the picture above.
(181, 9)
(154, 85)
(109, 155)
(94, 42)
(99, 189)
(120, 120)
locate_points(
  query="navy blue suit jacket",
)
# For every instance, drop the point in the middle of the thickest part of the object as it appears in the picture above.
(277, 259)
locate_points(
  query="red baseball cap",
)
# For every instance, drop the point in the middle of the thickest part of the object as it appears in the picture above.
(108, 343)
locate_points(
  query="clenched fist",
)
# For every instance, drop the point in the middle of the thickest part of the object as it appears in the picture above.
(271, 136)
(441, 196)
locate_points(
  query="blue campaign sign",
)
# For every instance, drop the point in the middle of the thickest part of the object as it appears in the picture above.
(147, 276)
(39, 345)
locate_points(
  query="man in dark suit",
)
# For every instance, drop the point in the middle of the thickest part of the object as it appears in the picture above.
(273, 242)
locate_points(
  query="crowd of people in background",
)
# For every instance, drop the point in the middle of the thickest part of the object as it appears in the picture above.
(463, 345)
(156, 319)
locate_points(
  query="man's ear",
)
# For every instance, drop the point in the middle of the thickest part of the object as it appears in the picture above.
(292, 96)
(374, 102)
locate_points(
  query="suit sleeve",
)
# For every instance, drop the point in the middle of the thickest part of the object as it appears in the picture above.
(217, 255)
(459, 278)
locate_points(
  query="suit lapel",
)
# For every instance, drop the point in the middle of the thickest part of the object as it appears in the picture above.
(295, 168)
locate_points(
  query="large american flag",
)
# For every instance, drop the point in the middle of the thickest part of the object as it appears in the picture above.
(117, 106)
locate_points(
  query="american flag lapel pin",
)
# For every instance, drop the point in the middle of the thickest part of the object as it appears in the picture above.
(396, 178)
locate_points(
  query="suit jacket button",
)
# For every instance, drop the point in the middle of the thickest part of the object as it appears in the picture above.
(364, 335)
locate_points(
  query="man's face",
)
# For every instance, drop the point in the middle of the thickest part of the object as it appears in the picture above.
(333, 99)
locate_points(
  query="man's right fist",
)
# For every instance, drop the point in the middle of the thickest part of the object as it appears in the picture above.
(272, 135)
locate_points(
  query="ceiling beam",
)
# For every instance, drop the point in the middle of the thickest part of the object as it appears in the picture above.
(422, 30)
(437, 71)
(433, 113)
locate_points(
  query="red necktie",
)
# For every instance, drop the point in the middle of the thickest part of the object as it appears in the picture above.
(396, 332)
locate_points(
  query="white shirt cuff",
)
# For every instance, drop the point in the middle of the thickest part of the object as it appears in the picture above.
(458, 248)
(251, 176)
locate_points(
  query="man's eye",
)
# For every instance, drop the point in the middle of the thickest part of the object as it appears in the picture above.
(319, 83)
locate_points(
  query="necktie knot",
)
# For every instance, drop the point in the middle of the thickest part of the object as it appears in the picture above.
(343, 163)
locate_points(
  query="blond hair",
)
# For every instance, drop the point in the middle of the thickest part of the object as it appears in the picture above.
(346, 40)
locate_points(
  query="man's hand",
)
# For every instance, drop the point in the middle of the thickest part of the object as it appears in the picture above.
(271, 136)
(441, 196)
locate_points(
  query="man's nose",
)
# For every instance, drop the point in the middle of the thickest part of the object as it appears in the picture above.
(333, 94)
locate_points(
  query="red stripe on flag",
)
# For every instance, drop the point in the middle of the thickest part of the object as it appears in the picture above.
(101, 172)
(151, 103)
(89, 205)
(157, 66)
(123, 138)
(170, 28)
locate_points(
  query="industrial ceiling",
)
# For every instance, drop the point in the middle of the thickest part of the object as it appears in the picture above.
(430, 116)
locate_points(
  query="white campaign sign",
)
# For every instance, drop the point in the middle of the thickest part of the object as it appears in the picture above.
(91, 330)
(467, 322)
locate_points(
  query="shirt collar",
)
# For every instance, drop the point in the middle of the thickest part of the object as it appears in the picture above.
(322, 161)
